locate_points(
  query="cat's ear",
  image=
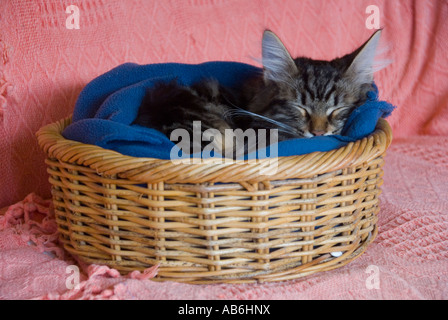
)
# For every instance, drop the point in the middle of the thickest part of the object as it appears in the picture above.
(361, 67)
(277, 62)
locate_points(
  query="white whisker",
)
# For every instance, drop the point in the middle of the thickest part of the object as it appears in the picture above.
(282, 125)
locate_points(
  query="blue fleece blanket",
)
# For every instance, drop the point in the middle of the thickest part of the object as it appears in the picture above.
(108, 105)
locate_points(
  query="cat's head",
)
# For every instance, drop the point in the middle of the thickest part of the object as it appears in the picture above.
(319, 95)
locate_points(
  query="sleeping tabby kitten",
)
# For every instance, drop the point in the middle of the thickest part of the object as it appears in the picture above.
(299, 97)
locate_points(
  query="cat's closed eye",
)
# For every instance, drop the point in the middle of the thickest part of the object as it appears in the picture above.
(341, 111)
(305, 113)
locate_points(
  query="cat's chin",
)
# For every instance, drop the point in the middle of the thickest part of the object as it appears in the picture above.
(308, 135)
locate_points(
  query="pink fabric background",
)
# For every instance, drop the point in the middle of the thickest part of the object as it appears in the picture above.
(44, 66)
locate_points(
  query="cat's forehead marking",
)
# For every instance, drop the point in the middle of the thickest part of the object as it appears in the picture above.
(318, 83)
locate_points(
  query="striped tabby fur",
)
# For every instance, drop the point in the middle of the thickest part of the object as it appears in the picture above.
(300, 97)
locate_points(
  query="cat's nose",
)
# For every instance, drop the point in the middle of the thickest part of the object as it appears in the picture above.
(318, 133)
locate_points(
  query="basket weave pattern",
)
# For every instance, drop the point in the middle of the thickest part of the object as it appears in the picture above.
(216, 222)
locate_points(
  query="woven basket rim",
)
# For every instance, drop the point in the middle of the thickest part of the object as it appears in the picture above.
(114, 164)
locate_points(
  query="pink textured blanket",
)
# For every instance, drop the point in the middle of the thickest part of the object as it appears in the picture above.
(408, 260)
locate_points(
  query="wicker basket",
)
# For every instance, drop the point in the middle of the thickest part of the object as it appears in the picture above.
(216, 222)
